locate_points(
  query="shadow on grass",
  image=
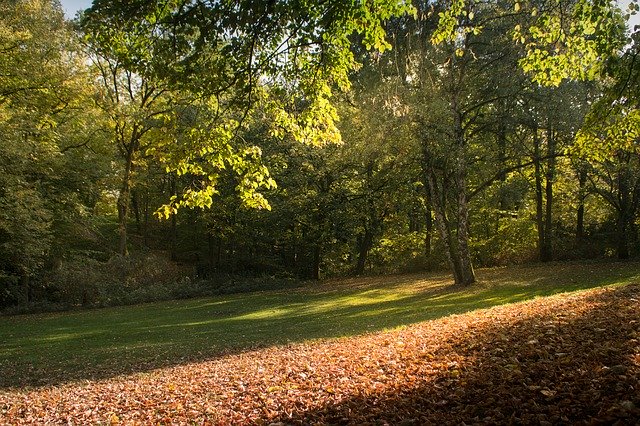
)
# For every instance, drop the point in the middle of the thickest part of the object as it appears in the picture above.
(580, 369)
(51, 349)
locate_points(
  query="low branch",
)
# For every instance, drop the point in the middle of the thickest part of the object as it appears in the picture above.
(502, 172)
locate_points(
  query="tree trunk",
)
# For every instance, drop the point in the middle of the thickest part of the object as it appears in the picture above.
(547, 248)
(174, 225)
(467, 274)
(315, 269)
(429, 228)
(443, 225)
(539, 200)
(145, 230)
(364, 246)
(211, 250)
(580, 223)
(135, 204)
(623, 243)
(123, 204)
(582, 182)
(25, 283)
(502, 161)
(624, 214)
(219, 253)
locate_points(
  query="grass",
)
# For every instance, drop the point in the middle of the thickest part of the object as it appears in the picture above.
(53, 348)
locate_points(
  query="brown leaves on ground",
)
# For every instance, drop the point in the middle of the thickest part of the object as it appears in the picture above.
(561, 360)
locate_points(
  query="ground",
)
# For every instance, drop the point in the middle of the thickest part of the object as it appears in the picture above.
(562, 359)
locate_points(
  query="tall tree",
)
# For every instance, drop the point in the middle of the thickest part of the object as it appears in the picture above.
(43, 100)
(609, 140)
(285, 56)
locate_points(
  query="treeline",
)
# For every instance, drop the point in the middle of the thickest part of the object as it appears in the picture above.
(146, 156)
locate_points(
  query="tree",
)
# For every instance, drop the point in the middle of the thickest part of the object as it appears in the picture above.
(43, 97)
(461, 84)
(285, 56)
(149, 116)
(609, 141)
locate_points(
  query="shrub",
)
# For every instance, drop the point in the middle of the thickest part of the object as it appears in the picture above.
(515, 242)
(82, 281)
(144, 277)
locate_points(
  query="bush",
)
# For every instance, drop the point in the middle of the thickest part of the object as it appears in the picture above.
(139, 278)
(515, 242)
(243, 283)
(10, 291)
(403, 252)
(82, 281)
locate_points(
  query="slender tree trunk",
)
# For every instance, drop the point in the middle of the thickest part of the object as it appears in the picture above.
(135, 204)
(457, 246)
(145, 230)
(211, 250)
(25, 283)
(429, 228)
(123, 204)
(467, 274)
(539, 200)
(547, 247)
(580, 223)
(219, 254)
(174, 225)
(623, 244)
(502, 160)
(428, 212)
(371, 225)
(317, 258)
(582, 182)
(624, 216)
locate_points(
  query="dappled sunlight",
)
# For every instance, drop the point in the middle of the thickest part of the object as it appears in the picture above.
(65, 336)
(560, 359)
(204, 305)
(128, 347)
(489, 368)
(265, 314)
(367, 298)
(366, 314)
(183, 324)
(166, 333)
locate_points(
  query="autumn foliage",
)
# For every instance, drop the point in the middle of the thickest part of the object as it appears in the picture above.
(565, 359)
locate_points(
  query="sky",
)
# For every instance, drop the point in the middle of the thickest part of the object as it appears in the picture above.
(72, 6)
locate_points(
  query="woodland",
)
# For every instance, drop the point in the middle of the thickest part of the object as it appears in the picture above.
(170, 149)
(163, 149)
(289, 212)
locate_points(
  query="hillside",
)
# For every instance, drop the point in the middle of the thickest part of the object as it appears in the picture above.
(562, 359)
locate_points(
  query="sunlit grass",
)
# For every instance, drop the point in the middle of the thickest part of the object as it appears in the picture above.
(44, 349)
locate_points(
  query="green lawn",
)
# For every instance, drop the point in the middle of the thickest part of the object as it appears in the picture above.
(52, 348)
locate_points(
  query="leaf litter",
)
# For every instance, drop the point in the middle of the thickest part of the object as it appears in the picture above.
(566, 359)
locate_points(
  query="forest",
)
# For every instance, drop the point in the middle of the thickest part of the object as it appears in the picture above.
(169, 149)
(294, 212)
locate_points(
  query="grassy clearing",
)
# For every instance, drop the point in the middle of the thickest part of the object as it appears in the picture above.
(52, 348)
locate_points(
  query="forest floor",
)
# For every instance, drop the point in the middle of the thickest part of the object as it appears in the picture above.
(409, 355)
